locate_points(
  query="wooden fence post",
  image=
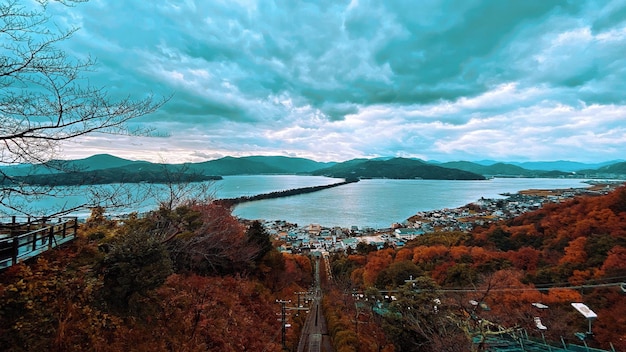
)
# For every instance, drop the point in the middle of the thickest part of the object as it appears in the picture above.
(15, 251)
(51, 236)
(34, 240)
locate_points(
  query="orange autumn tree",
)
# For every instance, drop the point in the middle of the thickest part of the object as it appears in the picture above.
(52, 304)
(376, 262)
(615, 263)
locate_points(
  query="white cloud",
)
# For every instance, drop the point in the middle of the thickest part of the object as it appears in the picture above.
(341, 80)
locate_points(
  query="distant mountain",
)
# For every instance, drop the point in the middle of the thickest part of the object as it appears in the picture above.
(497, 169)
(396, 168)
(401, 168)
(561, 165)
(103, 161)
(290, 164)
(234, 166)
(504, 170)
(343, 167)
(95, 162)
(617, 168)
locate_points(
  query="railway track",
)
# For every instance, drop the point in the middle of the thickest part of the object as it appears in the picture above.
(315, 336)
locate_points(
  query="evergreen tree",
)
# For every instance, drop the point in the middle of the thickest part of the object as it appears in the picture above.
(256, 235)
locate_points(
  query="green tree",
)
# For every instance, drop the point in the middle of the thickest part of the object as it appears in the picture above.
(501, 239)
(136, 263)
(365, 248)
(257, 236)
(397, 273)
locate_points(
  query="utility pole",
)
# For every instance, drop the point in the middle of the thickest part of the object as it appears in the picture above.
(299, 294)
(283, 319)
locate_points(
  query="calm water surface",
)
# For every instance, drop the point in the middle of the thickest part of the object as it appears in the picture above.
(379, 203)
(375, 203)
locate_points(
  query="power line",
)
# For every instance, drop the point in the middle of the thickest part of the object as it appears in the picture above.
(518, 289)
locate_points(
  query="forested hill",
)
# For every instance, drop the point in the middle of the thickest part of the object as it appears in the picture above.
(147, 173)
(504, 170)
(397, 168)
(574, 251)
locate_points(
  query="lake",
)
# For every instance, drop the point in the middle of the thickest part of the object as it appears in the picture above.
(375, 203)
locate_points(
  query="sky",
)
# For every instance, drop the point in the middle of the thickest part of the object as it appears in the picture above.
(445, 80)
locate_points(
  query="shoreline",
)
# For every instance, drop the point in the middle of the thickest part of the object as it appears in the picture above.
(465, 218)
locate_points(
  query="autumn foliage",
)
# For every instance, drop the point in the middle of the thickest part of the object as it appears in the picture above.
(573, 251)
(194, 278)
(186, 279)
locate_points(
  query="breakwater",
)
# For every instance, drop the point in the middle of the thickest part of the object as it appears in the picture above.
(231, 202)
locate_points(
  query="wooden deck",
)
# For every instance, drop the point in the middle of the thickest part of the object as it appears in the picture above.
(21, 239)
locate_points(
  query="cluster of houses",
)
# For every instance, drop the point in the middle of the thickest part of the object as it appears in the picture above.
(313, 237)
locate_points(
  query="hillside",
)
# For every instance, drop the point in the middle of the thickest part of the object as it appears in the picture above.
(617, 168)
(132, 173)
(504, 170)
(496, 169)
(289, 165)
(573, 251)
(397, 168)
(562, 165)
(203, 282)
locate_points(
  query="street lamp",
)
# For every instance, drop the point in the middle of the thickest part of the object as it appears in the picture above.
(587, 313)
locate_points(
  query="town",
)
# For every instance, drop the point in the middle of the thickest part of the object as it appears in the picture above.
(314, 237)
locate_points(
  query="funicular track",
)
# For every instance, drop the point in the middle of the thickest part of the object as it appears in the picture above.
(314, 337)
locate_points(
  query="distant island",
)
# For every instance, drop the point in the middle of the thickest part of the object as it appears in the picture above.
(150, 173)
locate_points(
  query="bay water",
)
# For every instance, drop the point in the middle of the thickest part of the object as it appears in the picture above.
(375, 203)
(378, 203)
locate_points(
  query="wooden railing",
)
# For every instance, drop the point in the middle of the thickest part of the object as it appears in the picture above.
(21, 239)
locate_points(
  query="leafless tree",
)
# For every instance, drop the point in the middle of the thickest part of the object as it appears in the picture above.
(45, 97)
(175, 190)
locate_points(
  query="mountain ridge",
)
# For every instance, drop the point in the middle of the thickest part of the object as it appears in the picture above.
(367, 168)
(397, 168)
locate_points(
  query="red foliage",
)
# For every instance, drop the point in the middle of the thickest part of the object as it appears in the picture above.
(197, 313)
(422, 254)
(358, 259)
(216, 246)
(525, 258)
(403, 254)
(575, 252)
(376, 262)
(615, 263)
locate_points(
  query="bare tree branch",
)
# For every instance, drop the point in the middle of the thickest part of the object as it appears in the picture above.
(45, 98)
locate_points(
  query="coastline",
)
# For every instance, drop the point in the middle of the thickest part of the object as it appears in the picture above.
(479, 213)
(378, 203)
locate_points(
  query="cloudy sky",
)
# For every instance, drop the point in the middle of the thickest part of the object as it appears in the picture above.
(335, 80)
